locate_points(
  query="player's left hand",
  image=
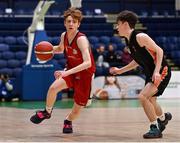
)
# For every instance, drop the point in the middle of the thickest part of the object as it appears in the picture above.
(58, 74)
(156, 78)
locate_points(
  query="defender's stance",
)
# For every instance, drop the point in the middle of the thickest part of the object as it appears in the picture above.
(150, 57)
(79, 73)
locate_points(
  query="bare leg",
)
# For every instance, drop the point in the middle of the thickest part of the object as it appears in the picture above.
(157, 107)
(56, 86)
(144, 98)
(75, 112)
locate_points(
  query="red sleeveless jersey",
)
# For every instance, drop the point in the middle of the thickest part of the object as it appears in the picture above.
(74, 55)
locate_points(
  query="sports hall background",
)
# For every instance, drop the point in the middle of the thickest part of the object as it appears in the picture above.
(158, 18)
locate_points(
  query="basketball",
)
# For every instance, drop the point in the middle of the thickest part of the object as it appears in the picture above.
(44, 51)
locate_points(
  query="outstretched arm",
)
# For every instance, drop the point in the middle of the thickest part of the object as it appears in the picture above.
(130, 66)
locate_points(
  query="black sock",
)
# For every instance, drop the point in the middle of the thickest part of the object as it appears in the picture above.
(67, 122)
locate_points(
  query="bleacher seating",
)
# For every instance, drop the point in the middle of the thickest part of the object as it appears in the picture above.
(13, 45)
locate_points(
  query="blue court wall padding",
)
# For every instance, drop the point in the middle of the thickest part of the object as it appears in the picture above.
(36, 82)
(36, 77)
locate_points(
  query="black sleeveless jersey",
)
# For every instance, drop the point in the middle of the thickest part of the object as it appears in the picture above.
(142, 56)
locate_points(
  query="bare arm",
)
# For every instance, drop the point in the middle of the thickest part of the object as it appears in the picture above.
(59, 48)
(145, 41)
(83, 45)
(130, 66)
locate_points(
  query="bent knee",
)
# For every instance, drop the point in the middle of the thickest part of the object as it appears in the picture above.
(152, 99)
(142, 97)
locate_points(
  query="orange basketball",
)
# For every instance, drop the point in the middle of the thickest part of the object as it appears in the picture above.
(44, 51)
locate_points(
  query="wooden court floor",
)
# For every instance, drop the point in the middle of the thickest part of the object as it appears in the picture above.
(96, 124)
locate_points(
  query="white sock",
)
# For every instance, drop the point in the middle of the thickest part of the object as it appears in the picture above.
(154, 122)
(49, 109)
(162, 117)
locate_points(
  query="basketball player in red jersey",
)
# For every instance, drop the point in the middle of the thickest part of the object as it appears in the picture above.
(147, 54)
(79, 73)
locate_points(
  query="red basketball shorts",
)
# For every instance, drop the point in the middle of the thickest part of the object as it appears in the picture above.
(81, 83)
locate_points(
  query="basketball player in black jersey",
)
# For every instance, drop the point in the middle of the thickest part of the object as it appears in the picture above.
(147, 54)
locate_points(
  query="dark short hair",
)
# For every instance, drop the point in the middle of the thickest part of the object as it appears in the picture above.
(128, 16)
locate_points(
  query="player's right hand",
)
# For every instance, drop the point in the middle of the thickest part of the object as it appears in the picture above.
(113, 70)
(57, 74)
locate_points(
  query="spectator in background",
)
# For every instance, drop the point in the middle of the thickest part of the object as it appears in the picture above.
(101, 57)
(112, 57)
(126, 58)
(111, 89)
(6, 87)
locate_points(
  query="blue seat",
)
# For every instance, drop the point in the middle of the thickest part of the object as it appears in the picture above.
(7, 55)
(93, 39)
(1, 39)
(166, 47)
(22, 40)
(22, 62)
(16, 71)
(1, 12)
(104, 39)
(116, 40)
(20, 55)
(55, 40)
(175, 54)
(172, 47)
(3, 64)
(13, 63)
(172, 39)
(97, 45)
(161, 39)
(120, 46)
(11, 40)
(4, 47)
(6, 71)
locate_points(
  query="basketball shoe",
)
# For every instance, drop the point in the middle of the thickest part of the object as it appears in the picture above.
(40, 116)
(154, 132)
(67, 129)
(162, 124)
